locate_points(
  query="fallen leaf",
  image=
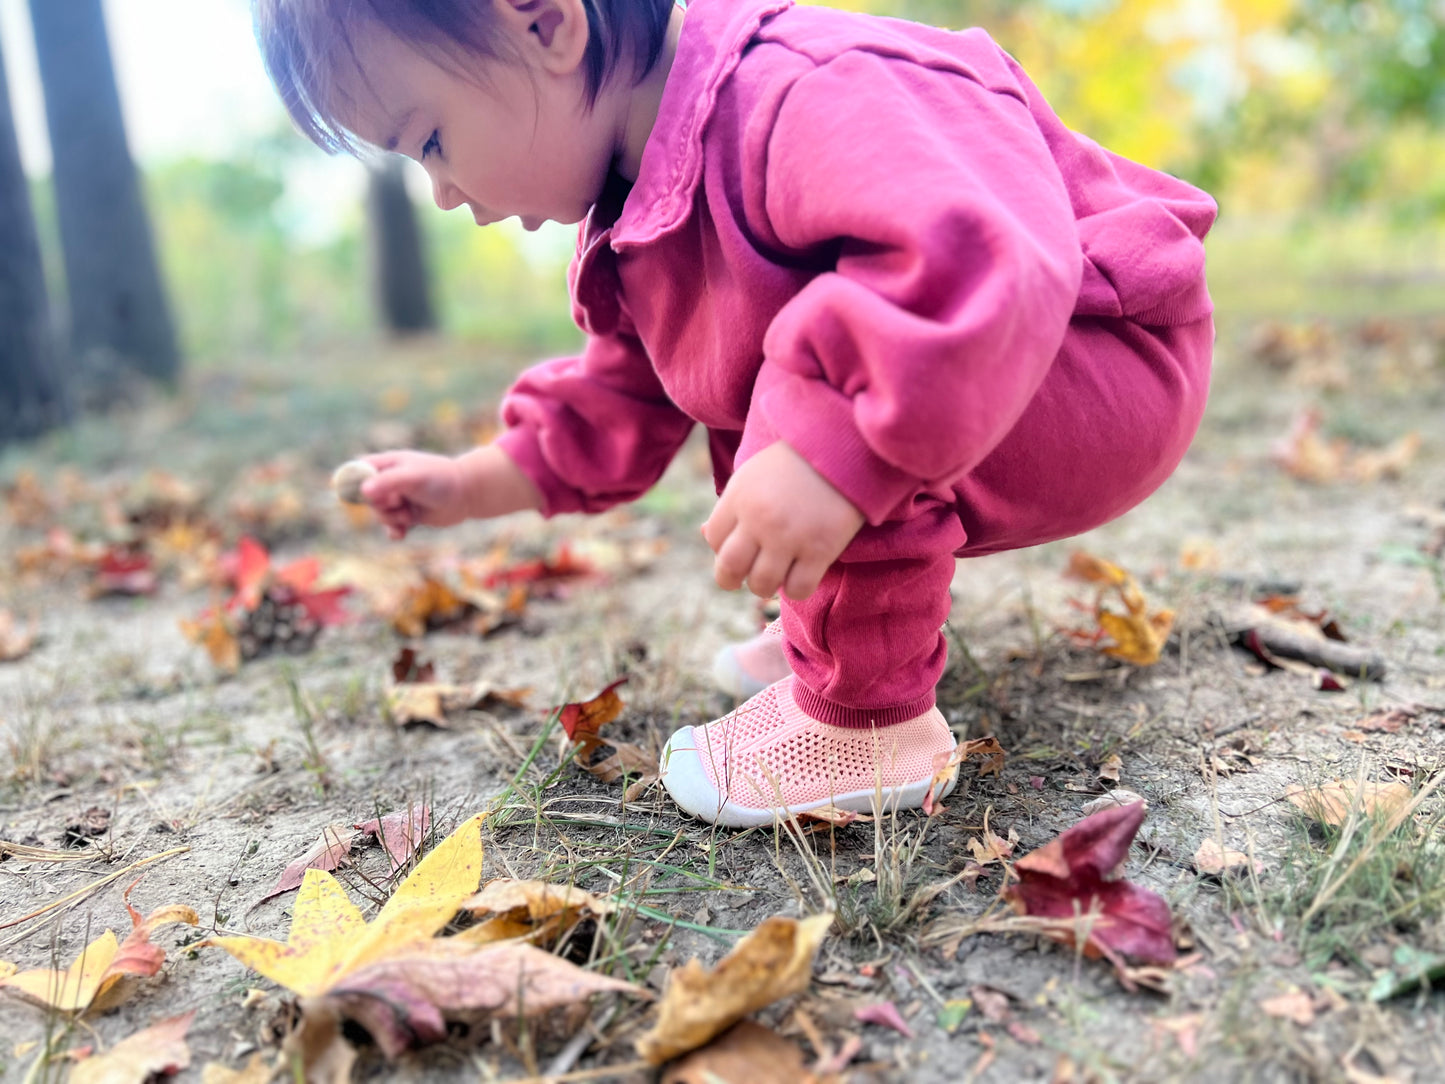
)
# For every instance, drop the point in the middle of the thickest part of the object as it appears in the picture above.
(329, 937)
(773, 962)
(1306, 455)
(747, 1051)
(1331, 802)
(1388, 720)
(159, 1050)
(121, 570)
(393, 975)
(435, 703)
(1074, 876)
(1295, 1005)
(1110, 799)
(583, 720)
(531, 908)
(96, 973)
(408, 668)
(990, 847)
(538, 574)
(1138, 635)
(328, 852)
(213, 631)
(15, 643)
(884, 1013)
(945, 766)
(1213, 859)
(1111, 767)
(628, 759)
(428, 605)
(992, 1004)
(831, 816)
(404, 998)
(255, 1072)
(401, 834)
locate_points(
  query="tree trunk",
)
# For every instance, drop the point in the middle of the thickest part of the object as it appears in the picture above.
(118, 309)
(32, 390)
(400, 283)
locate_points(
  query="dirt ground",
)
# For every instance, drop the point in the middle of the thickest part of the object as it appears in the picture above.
(115, 711)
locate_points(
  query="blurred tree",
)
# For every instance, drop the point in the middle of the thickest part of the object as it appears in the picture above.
(400, 281)
(118, 308)
(32, 391)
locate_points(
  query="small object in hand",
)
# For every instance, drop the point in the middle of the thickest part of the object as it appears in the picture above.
(347, 480)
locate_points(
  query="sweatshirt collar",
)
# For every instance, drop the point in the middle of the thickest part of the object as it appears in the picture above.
(714, 34)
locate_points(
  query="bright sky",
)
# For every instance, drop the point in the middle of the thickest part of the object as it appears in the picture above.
(190, 77)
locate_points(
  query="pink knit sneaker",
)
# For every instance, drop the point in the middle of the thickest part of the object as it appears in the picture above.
(746, 669)
(767, 759)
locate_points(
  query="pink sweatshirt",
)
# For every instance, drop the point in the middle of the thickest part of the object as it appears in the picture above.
(862, 236)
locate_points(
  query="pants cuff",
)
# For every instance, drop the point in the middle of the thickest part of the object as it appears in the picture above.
(826, 711)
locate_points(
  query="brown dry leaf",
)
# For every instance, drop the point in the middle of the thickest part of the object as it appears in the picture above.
(93, 979)
(773, 962)
(1390, 721)
(1331, 803)
(628, 760)
(329, 851)
(1111, 767)
(401, 833)
(1109, 799)
(1387, 462)
(831, 816)
(15, 643)
(435, 702)
(745, 1052)
(1306, 455)
(945, 767)
(1213, 859)
(430, 605)
(991, 847)
(533, 909)
(255, 1072)
(159, 1050)
(1295, 1005)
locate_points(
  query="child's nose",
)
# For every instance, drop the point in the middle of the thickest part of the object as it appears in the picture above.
(445, 194)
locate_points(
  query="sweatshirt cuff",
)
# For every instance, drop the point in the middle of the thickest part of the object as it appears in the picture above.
(816, 421)
(524, 449)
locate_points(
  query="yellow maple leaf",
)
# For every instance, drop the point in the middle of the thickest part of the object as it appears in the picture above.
(329, 937)
(1139, 636)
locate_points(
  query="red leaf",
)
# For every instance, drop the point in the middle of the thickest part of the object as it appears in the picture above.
(252, 565)
(583, 720)
(121, 571)
(1073, 877)
(300, 574)
(400, 833)
(327, 853)
(325, 607)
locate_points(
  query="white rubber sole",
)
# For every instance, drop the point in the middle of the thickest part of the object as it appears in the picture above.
(683, 775)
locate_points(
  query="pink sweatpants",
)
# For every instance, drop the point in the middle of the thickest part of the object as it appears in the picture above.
(1108, 425)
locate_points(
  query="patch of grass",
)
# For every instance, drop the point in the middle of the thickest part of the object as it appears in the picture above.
(1367, 881)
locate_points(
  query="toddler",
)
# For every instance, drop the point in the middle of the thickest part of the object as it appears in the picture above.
(919, 318)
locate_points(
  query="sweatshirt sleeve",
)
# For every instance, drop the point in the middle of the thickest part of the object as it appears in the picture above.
(594, 430)
(957, 268)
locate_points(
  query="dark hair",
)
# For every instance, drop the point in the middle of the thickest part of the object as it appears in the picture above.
(303, 42)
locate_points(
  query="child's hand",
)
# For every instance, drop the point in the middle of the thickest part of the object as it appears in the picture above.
(779, 524)
(414, 489)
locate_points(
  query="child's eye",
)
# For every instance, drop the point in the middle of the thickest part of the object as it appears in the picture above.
(432, 146)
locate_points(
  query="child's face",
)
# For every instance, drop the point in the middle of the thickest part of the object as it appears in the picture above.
(516, 140)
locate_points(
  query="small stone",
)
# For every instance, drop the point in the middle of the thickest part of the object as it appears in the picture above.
(347, 480)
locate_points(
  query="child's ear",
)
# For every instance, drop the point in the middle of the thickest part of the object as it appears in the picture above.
(552, 31)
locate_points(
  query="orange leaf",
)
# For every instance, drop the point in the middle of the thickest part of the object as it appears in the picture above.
(946, 766)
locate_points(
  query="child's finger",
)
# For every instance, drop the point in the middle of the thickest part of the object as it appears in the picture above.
(734, 560)
(384, 460)
(803, 579)
(719, 526)
(768, 573)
